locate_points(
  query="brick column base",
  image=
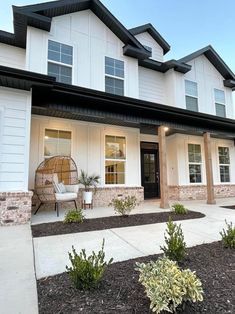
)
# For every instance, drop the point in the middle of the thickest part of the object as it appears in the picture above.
(15, 208)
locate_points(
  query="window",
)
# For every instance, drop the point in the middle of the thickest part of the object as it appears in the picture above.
(60, 60)
(220, 103)
(224, 164)
(115, 159)
(191, 95)
(57, 142)
(114, 76)
(195, 163)
(149, 49)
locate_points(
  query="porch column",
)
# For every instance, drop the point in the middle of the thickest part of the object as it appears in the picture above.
(163, 167)
(209, 170)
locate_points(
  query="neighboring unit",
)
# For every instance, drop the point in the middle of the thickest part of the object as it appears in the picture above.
(75, 82)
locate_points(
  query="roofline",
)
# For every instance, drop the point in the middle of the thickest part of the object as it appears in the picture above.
(163, 67)
(214, 58)
(154, 33)
(40, 16)
(25, 80)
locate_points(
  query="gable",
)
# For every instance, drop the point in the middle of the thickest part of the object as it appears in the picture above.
(147, 40)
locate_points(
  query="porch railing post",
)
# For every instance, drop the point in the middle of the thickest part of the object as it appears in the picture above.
(163, 167)
(209, 169)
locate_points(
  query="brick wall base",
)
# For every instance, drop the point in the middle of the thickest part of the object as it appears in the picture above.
(103, 196)
(198, 192)
(15, 207)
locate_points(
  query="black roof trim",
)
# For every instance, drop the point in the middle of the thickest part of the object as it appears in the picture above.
(40, 16)
(165, 66)
(25, 80)
(230, 84)
(154, 33)
(214, 58)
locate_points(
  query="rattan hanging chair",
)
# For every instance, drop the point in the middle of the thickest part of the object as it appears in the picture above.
(50, 175)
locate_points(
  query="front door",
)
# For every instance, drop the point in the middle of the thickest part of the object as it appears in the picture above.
(150, 172)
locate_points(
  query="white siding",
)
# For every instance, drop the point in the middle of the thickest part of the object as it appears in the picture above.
(147, 40)
(15, 110)
(12, 57)
(88, 148)
(91, 41)
(151, 85)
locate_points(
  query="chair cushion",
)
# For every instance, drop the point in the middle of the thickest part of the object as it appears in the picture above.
(62, 188)
(56, 187)
(66, 196)
(72, 188)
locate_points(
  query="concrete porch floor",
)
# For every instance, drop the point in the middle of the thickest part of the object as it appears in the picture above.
(51, 253)
(47, 213)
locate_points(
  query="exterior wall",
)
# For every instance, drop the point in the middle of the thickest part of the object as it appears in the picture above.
(15, 111)
(88, 147)
(147, 40)
(15, 207)
(151, 85)
(199, 192)
(91, 41)
(12, 57)
(207, 78)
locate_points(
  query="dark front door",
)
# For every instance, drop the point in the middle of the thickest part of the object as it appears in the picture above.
(150, 172)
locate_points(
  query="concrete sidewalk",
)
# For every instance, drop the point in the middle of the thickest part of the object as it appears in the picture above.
(18, 291)
(126, 243)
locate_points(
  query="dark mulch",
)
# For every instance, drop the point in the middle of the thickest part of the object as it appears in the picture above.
(229, 207)
(120, 292)
(55, 228)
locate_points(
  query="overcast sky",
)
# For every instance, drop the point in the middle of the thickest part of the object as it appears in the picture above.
(187, 25)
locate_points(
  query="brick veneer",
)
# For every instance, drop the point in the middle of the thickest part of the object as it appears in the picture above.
(103, 196)
(198, 192)
(15, 207)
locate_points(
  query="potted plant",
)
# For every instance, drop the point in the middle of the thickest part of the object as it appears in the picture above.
(88, 182)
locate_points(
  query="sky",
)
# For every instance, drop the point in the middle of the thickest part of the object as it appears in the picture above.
(187, 25)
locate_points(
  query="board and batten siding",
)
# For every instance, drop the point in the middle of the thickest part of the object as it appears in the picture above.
(15, 111)
(151, 86)
(147, 40)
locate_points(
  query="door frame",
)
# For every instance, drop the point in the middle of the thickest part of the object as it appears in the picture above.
(154, 148)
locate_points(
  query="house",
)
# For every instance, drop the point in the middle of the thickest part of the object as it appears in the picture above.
(75, 81)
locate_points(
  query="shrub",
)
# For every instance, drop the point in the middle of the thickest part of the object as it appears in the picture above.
(167, 286)
(175, 248)
(74, 215)
(179, 209)
(228, 236)
(86, 271)
(124, 206)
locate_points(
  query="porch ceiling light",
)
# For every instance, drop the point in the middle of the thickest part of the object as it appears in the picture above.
(46, 137)
(166, 129)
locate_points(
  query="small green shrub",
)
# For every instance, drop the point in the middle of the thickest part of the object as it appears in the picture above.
(123, 206)
(228, 236)
(74, 215)
(167, 286)
(175, 248)
(86, 271)
(179, 209)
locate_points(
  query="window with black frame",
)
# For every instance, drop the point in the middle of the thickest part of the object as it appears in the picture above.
(195, 163)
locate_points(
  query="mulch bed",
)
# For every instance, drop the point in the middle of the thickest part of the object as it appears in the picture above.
(120, 292)
(229, 207)
(56, 228)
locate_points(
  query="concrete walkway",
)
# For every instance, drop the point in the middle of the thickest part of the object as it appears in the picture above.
(125, 243)
(18, 291)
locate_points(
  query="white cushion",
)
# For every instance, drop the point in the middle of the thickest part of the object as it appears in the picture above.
(55, 178)
(57, 187)
(72, 188)
(62, 188)
(65, 196)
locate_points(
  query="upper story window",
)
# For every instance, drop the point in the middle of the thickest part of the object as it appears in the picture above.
(57, 142)
(60, 60)
(114, 76)
(191, 95)
(220, 103)
(149, 49)
(224, 164)
(115, 159)
(195, 163)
